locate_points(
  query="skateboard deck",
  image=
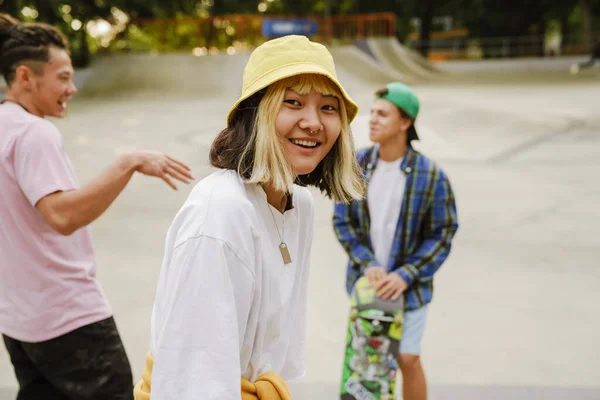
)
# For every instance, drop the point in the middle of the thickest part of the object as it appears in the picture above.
(372, 345)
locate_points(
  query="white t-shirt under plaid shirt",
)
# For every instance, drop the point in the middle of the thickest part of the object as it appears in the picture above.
(385, 193)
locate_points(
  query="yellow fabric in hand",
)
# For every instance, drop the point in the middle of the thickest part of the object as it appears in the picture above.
(141, 391)
(268, 386)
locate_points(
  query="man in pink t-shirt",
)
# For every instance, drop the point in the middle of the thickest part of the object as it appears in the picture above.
(56, 324)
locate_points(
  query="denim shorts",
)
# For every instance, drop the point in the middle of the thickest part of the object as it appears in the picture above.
(414, 327)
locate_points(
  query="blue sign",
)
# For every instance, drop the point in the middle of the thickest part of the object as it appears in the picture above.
(276, 28)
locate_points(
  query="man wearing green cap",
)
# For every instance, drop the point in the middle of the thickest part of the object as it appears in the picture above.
(401, 232)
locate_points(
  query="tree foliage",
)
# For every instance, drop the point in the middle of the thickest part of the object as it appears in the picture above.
(483, 18)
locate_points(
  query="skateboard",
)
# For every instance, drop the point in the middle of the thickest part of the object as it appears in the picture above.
(372, 345)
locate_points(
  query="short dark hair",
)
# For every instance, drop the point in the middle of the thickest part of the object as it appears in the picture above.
(229, 146)
(26, 41)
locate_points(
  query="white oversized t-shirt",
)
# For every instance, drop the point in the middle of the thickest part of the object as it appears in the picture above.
(227, 306)
(48, 281)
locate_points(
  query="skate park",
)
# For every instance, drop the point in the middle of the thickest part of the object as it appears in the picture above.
(514, 314)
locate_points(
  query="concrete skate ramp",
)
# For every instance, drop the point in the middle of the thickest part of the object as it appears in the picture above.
(415, 57)
(151, 77)
(217, 75)
(356, 63)
(165, 75)
(147, 76)
(395, 56)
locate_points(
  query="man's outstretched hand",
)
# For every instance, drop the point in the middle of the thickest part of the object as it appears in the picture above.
(162, 166)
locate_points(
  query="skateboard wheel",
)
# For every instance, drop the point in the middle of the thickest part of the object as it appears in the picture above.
(353, 314)
(376, 326)
(398, 319)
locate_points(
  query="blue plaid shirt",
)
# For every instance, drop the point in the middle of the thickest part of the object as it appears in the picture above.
(424, 232)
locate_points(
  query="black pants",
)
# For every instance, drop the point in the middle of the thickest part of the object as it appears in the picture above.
(89, 363)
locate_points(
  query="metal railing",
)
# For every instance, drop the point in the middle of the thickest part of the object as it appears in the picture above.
(452, 48)
(223, 32)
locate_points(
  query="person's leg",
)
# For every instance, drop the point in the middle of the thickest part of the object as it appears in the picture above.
(32, 384)
(587, 64)
(414, 385)
(89, 363)
(575, 68)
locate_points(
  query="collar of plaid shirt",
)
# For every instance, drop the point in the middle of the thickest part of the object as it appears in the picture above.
(371, 157)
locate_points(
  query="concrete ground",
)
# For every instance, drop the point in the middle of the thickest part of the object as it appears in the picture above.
(516, 305)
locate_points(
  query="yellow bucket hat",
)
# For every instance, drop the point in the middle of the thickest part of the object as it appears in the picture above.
(284, 57)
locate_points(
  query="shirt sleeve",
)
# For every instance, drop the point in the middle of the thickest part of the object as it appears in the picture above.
(348, 232)
(203, 300)
(347, 227)
(41, 165)
(439, 227)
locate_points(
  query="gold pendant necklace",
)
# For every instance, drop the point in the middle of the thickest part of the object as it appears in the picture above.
(285, 254)
(283, 248)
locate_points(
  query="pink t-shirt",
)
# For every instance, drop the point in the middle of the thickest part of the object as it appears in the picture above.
(48, 281)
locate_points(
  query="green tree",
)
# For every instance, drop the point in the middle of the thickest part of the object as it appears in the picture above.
(71, 16)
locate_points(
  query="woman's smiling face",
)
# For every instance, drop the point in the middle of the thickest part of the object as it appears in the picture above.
(308, 125)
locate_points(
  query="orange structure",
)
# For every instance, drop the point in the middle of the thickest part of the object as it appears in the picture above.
(222, 31)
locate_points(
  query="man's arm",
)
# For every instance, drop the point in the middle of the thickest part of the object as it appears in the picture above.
(68, 211)
(347, 231)
(441, 224)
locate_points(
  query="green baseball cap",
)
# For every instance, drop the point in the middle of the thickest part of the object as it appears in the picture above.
(404, 98)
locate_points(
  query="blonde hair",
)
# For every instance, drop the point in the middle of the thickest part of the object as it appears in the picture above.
(338, 174)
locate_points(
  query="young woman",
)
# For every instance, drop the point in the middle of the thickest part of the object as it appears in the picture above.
(231, 297)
